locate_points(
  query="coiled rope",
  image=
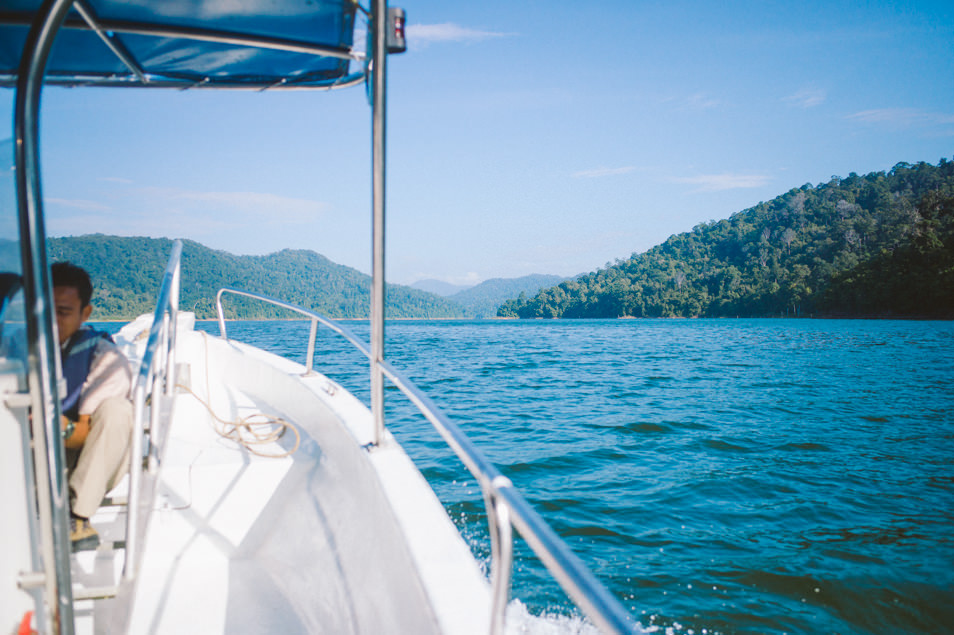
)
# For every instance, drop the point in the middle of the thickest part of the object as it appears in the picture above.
(245, 431)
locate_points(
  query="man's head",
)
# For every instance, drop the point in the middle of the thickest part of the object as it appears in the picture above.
(72, 292)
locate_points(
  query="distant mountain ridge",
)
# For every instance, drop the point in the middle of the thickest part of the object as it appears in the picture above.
(439, 287)
(879, 245)
(484, 299)
(126, 272)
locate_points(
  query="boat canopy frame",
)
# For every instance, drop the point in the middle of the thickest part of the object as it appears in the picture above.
(37, 62)
(28, 60)
(162, 45)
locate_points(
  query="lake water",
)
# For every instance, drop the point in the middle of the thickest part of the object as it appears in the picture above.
(719, 476)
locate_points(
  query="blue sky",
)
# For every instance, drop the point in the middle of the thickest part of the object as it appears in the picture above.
(524, 137)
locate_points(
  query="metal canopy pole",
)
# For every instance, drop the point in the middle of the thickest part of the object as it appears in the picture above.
(42, 352)
(378, 103)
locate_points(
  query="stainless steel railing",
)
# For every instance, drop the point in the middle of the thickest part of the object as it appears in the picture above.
(155, 382)
(506, 507)
(56, 610)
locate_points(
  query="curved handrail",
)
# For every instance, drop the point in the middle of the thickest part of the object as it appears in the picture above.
(315, 318)
(505, 505)
(154, 374)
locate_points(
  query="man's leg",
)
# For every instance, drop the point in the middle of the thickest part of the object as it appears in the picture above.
(104, 459)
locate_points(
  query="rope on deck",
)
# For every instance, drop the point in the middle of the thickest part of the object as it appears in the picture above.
(245, 431)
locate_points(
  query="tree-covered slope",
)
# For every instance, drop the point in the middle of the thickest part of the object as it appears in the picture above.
(874, 245)
(126, 273)
(484, 299)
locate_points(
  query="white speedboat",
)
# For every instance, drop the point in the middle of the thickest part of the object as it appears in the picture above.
(261, 496)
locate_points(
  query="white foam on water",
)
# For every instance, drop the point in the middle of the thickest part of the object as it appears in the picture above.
(521, 622)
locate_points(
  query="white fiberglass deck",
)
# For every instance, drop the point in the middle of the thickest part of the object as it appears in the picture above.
(332, 539)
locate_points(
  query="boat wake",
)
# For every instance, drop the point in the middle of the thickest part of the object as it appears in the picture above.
(521, 621)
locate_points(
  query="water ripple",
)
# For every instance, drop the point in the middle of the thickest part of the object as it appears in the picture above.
(733, 476)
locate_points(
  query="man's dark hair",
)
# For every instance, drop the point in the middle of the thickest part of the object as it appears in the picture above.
(66, 274)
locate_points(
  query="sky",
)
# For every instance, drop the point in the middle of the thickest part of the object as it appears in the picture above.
(524, 137)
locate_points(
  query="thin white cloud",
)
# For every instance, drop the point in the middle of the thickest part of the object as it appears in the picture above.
(114, 179)
(155, 211)
(701, 101)
(76, 203)
(250, 204)
(725, 181)
(903, 117)
(807, 98)
(470, 278)
(423, 34)
(601, 172)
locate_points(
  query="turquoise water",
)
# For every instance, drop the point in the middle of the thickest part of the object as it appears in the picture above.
(719, 476)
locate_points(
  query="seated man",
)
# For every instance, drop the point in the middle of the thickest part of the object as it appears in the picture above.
(97, 412)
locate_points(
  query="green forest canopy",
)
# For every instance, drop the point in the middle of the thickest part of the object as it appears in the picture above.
(875, 245)
(126, 273)
(880, 245)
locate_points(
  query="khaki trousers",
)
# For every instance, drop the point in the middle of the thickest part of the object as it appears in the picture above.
(104, 458)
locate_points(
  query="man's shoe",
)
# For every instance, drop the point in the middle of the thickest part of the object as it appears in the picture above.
(82, 535)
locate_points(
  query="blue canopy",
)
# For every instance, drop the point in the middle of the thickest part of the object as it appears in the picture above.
(191, 43)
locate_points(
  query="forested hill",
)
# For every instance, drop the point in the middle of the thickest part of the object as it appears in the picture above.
(126, 273)
(878, 245)
(484, 299)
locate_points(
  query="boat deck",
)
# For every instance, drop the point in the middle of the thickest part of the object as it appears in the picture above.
(309, 542)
